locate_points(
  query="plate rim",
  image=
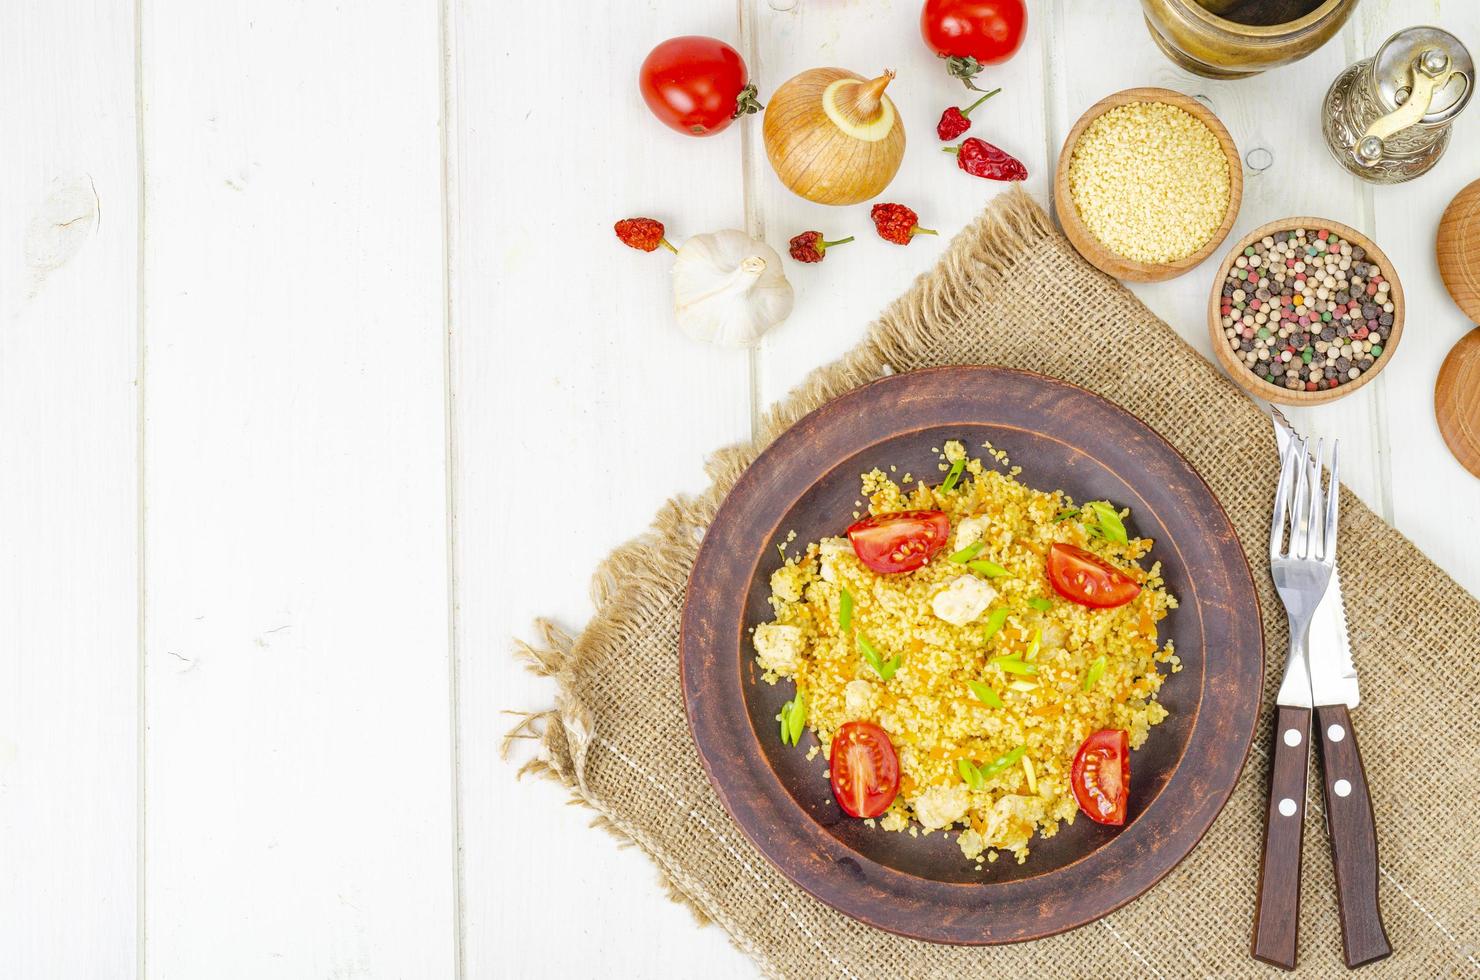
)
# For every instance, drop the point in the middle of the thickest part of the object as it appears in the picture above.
(803, 826)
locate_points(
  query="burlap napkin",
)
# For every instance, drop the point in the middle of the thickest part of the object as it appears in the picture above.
(1010, 290)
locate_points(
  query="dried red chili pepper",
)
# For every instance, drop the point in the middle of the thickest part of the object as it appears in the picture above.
(981, 159)
(897, 223)
(953, 121)
(809, 246)
(645, 234)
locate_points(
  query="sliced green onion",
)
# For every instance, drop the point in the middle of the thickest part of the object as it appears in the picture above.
(1041, 604)
(957, 468)
(988, 568)
(1013, 665)
(1031, 774)
(793, 718)
(1034, 644)
(1022, 685)
(1065, 514)
(798, 718)
(845, 610)
(1095, 672)
(970, 773)
(967, 553)
(884, 668)
(985, 694)
(1002, 762)
(995, 622)
(1110, 522)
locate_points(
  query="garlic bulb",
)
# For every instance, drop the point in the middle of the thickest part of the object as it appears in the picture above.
(834, 137)
(728, 288)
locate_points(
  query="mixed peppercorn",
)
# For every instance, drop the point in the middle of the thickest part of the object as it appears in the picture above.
(1306, 310)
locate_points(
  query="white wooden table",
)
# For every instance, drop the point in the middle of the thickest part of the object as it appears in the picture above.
(321, 374)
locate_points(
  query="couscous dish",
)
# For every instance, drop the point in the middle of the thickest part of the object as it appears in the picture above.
(975, 656)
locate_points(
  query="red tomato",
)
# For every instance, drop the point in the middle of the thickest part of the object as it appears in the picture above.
(1088, 579)
(696, 84)
(865, 770)
(899, 542)
(990, 31)
(1102, 776)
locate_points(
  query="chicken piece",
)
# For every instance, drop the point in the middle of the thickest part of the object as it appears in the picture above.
(778, 646)
(941, 806)
(969, 531)
(829, 550)
(962, 600)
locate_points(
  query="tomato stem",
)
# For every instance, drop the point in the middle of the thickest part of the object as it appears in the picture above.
(746, 102)
(967, 111)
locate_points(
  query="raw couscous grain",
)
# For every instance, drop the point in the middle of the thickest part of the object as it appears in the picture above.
(927, 705)
(1150, 181)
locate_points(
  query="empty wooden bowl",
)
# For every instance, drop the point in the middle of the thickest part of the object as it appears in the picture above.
(1096, 253)
(1256, 385)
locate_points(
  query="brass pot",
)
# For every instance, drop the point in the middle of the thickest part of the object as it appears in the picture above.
(1189, 33)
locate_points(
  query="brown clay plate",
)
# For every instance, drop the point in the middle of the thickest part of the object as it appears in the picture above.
(1063, 437)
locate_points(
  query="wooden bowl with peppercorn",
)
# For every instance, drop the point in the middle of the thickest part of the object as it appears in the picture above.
(1148, 184)
(1305, 310)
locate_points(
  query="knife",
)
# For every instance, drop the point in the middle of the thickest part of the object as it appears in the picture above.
(1333, 688)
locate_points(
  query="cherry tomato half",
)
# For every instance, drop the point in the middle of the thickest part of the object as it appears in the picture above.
(990, 31)
(1102, 776)
(1086, 578)
(696, 85)
(864, 768)
(899, 542)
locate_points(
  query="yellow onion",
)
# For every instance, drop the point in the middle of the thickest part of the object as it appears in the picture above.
(834, 137)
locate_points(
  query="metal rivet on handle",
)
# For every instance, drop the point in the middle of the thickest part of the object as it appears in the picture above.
(1287, 807)
(1342, 787)
(1292, 737)
(1336, 733)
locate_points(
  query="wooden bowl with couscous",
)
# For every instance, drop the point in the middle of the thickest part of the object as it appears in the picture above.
(1354, 309)
(1037, 445)
(1148, 184)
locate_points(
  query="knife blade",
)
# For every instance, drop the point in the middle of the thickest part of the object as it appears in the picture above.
(1333, 675)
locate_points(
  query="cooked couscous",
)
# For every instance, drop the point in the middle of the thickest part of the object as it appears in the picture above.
(981, 664)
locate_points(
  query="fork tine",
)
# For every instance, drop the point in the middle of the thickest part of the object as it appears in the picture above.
(1316, 544)
(1281, 501)
(1300, 504)
(1332, 498)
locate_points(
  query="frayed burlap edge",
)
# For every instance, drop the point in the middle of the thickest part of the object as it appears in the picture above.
(643, 571)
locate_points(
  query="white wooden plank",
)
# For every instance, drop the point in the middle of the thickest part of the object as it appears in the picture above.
(69, 723)
(299, 791)
(1436, 502)
(838, 298)
(579, 407)
(1270, 112)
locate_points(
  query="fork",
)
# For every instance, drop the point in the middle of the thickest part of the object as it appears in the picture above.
(1302, 552)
